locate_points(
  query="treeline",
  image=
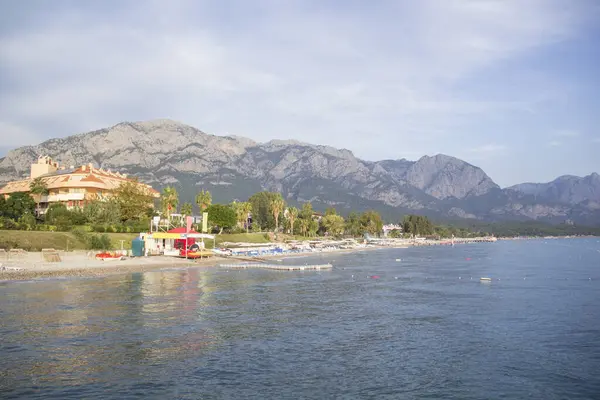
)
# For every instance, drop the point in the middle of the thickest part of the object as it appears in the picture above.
(535, 228)
(131, 209)
(268, 212)
(419, 225)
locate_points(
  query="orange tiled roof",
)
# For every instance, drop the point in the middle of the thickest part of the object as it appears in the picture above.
(82, 177)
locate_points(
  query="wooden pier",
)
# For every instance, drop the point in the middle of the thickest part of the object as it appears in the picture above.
(278, 267)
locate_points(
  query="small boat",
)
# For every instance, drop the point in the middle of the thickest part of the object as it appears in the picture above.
(398, 259)
(484, 279)
(109, 257)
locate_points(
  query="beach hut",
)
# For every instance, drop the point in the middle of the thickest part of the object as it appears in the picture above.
(183, 243)
(137, 247)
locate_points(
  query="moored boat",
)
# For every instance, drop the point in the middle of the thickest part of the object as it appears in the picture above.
(109, 257)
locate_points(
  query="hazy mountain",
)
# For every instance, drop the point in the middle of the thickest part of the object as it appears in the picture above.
(565, 189)
(164, 152)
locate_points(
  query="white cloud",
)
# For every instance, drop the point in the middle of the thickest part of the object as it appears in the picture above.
(368, 78)
(555, 143)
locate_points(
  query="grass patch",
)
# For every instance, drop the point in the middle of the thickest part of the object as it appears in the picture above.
(240, 237)
(38, 240)
(116, 238)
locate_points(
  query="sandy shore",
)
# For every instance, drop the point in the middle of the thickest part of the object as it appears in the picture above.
(79, 264)
(83, 264)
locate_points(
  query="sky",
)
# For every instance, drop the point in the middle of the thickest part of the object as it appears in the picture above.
(509, 86)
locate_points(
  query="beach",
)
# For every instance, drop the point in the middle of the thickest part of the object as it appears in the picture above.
(83, 264)
(31, 265)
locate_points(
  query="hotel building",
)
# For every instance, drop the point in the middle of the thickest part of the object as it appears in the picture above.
(72, 186)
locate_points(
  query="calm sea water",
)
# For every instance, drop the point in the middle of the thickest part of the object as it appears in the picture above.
(425, 327)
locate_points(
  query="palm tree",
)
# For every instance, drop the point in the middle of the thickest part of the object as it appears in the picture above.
(38, 188)
(247, 209)
(292, 215)
(304, 225)
(277, 205)
(186, 209)
(203, 199)
(242, 209)
(169, 200)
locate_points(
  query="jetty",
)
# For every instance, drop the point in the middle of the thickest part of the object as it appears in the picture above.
(278, 267)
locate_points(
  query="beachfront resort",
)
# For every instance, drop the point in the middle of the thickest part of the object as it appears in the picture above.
(72, 186)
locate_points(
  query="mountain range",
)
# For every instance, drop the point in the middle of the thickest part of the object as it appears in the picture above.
(165, 152)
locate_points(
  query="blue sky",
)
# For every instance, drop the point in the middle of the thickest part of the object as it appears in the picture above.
(510, 86)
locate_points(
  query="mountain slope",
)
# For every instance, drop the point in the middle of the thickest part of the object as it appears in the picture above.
(164, 152)
(565, 189)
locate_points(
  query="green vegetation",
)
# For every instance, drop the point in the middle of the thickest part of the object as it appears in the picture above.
(37, 240)
(38, 188)
(103, 224)
(186, 209)
(531, 228)
(133, 201)
(203, 200)
(220, 217)
(169, 201)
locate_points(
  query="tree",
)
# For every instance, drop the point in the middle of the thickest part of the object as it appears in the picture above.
(169, 200)
(395, 233)
(58, 214)
(242, 209)
(277, 204)
(17, 204)
(246, 210)
(370, 221)
(186, 209)
(313, 227)
(330, 211)
(307, 210)
(203, 200)
(304, 225)
(333, 224)
(417, 225)
(292, 216)
(353, 227)
(133, 200)
(261, 210)
(221, 216)
(2, 206)
(38, 188)
(102, 212)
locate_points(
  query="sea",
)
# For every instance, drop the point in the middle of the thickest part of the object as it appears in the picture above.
(415, 323)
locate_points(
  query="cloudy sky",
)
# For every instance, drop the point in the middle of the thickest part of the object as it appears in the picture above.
(511, 86)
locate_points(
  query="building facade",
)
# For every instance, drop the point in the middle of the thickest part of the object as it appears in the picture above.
(72, 186)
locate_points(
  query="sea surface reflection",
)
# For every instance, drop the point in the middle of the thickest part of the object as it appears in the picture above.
(425, 327)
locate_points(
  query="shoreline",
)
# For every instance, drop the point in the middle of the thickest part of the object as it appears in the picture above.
(79, 264)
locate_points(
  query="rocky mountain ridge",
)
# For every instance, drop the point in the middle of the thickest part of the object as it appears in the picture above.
(165, 152)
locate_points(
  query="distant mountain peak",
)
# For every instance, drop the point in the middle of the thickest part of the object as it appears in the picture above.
(167, 152)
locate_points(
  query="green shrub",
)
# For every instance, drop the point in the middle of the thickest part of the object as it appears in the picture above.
(99, 228)
(99, 242)
(7, 223)
(81, 234)
(109, 229)
(27, 222)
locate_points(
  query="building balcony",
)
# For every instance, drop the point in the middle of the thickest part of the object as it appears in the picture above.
(53, 198)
